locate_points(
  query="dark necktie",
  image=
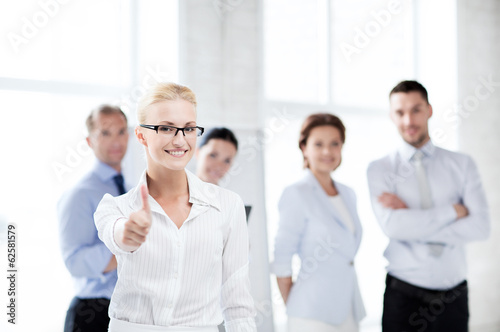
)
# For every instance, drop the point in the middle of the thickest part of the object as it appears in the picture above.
(119, 184)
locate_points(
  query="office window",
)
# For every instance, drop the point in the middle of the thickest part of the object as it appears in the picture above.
(358, 78)
(372, 49)
(47, 40)
(296, 47)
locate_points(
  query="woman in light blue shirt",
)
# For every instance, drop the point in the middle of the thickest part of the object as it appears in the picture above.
(319, 223)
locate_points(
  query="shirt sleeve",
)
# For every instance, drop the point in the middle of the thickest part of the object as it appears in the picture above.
(290, 231)
(105, 217)
(237, 303)
(83, 253)
(476, 226)
(404, 224)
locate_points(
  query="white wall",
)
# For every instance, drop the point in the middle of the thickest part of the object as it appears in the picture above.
(478, 61)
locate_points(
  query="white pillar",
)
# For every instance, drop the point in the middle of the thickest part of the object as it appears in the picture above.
(479, 135)
(219, 57)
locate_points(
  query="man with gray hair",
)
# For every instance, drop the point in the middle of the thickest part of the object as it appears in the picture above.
(89, 261)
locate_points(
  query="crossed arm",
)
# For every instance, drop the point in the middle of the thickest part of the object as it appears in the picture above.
(457, 223)
(392, 201)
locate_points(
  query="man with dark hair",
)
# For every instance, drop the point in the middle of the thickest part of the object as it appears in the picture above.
(89, 261)
(430, 203)
(410, 86)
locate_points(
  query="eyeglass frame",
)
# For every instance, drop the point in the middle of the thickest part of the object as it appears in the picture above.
(155, 128)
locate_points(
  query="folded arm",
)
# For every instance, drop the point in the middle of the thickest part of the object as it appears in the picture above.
(452, 224)
(475, 225)
(395, 218)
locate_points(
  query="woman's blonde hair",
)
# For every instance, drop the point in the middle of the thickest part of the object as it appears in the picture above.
(162, 92)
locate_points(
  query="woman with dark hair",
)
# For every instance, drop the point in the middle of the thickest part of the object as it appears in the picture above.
(319, 223)
(215, 154)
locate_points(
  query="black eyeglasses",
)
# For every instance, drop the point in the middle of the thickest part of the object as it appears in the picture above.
(172, 131)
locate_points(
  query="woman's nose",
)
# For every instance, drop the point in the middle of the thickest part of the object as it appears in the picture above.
(179, 139)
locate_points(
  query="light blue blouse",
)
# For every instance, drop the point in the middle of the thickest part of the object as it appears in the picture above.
(326, 288)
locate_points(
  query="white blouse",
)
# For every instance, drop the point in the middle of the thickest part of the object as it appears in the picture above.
(341, 208)
(183, 276)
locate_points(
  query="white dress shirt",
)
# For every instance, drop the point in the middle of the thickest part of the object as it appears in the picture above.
(183, 276)
(453, 179)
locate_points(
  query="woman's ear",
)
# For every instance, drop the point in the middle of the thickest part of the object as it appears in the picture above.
(302, 149)
(140, 136)
(304, 158)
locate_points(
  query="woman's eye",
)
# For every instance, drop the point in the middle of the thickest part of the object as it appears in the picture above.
(189, 129)
(165, 129)
(213, 155)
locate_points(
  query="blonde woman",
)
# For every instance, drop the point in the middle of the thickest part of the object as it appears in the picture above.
(319, 223)
(181, 244)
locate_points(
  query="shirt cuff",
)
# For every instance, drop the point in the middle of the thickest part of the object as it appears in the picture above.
(282, 269)
(116, 248)
(241, 325)
(447, 214)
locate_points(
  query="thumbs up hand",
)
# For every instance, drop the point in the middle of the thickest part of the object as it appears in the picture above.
(130, 234)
